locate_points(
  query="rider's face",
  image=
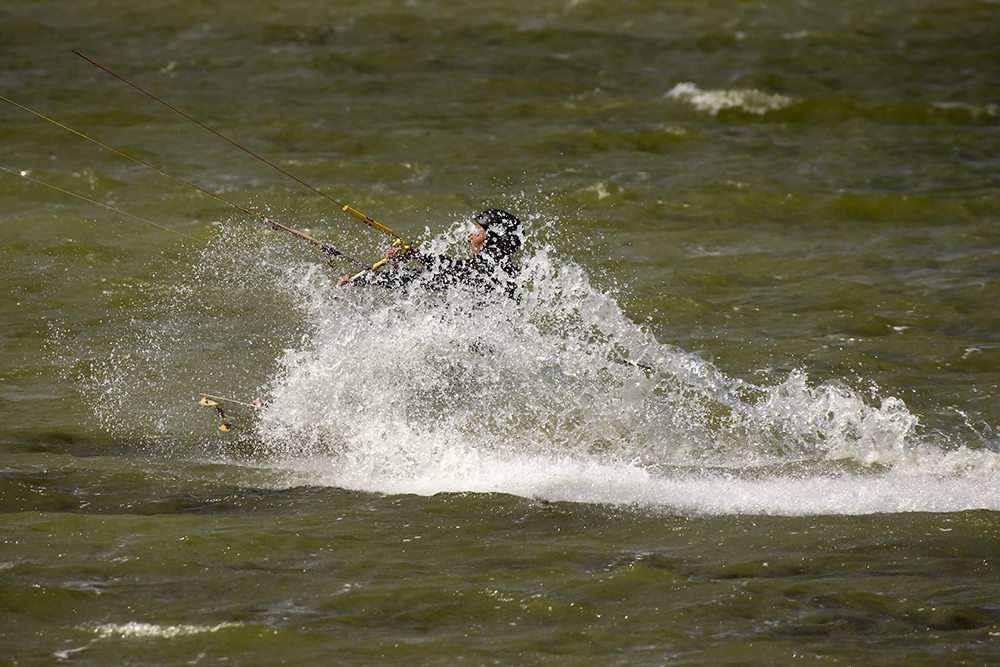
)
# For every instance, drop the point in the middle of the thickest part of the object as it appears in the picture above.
(476, 240)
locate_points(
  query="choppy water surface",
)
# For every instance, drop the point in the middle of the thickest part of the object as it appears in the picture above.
(743, 413)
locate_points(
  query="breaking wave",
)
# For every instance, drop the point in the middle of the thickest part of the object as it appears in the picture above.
(752, 104)
(714, 101)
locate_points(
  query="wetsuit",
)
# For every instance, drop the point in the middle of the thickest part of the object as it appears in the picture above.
(490, 270)
(484, 271)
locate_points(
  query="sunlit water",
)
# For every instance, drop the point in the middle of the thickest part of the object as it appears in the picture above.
(744, 411)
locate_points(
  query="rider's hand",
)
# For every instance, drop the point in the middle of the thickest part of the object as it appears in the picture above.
(398, 253)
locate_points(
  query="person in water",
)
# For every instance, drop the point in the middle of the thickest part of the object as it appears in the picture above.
(489, 265)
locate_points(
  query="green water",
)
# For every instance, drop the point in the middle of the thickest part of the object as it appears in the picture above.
(745, 412)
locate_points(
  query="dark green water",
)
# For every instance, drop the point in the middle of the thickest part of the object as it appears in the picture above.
(745, 412)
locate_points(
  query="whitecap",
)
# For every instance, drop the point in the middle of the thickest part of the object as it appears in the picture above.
(713, 101)
(137, 630)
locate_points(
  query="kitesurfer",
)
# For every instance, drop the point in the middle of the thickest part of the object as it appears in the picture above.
(489, 266)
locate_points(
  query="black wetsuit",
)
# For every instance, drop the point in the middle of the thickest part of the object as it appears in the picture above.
(490, 270)
(485, 271)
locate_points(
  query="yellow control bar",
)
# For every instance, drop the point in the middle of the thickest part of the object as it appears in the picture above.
(364, 218)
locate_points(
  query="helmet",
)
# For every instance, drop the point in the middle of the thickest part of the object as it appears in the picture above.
(498, 220)
(502, 239)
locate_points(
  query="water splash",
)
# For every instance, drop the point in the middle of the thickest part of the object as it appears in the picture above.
(560, 396)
